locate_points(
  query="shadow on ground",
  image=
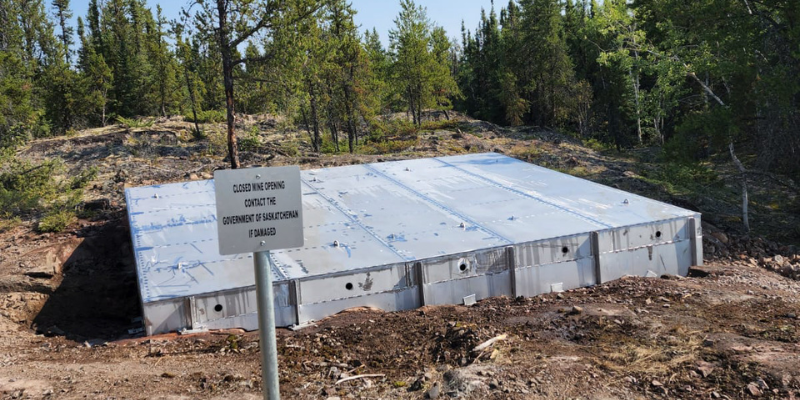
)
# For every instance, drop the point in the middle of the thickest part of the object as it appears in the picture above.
(97, 297)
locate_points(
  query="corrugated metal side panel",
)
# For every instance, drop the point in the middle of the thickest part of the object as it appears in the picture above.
(237, 309)
(555, 264)
(354, 284)
(483, 273)
(406, 299)
(166, 316)
(660, 247)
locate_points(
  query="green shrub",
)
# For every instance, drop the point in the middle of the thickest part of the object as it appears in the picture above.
(83, 178)
(13, 136)
(25, 186)
(399, 127)
(56, 221)
(199, 134)
(28, 189)
(206, 117)
(440, 125)
(387, 146)
(597, 145)
(290, 148)
(681, 178)
(251, 140)
(136, 122)
(327, 146)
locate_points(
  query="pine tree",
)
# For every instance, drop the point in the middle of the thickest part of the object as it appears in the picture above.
(420, 68)
(97, 77)
(234, 22)
(165, 83)
(547, 75)
(17, 109)
(63, 13)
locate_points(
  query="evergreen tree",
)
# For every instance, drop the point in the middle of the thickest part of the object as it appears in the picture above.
(18, 112)
(63, 13)
(416, 71)
(234, 22)
(165, 83)
(97, 78)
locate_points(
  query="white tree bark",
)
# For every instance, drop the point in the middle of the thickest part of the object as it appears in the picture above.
(741, 168)
(736, 161)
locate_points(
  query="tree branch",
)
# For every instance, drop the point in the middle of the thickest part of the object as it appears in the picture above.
(251, 59)
(709, 91)
(265, 22)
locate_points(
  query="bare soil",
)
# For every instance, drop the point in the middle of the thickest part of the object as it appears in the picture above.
(69, 302)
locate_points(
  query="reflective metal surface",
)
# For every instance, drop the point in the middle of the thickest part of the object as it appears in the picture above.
(378, 221)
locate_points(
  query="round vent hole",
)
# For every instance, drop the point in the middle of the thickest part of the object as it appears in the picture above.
(658, 234)
(462, 267)
(564, 250)
(218, 307)
(348, 286)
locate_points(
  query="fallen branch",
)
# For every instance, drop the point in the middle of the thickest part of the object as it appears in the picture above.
(360, 377)
(489, 342)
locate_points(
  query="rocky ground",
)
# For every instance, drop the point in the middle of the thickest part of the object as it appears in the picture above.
(69, 305)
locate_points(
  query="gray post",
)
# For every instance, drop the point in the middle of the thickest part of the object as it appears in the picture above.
(595, 242)
(266, 326)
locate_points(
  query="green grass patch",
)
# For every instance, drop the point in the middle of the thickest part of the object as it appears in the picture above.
(528, 153)
(290, 148)
(681, 178)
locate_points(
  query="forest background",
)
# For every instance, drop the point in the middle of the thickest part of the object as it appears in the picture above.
(706, 81)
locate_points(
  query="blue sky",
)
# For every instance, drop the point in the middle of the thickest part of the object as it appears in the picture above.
(379, 14)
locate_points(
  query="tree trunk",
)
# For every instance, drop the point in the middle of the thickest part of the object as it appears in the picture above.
(635, 83)
(308, 128)
(741, 168)
(192, 99)
(348, 109)
(411, 105)
(446, 115)
(104, 108)
(419, 106)
(316, 143)
(227, 72)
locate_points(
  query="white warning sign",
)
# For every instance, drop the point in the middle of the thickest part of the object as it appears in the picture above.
(258, 209)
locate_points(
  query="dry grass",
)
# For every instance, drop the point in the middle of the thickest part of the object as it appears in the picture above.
(660, 354)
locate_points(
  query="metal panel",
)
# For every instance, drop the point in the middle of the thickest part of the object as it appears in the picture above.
(696, 230)
(357, 284)
(405, 299)
(670, 258)
(635, 236)
(399, 232)
(483, 274)
(554, 251)
(166, 316)
(538, 279)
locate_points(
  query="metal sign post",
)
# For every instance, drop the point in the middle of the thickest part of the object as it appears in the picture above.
(266, 325)
(258, 210)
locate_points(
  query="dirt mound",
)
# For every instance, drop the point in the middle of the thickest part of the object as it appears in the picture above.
(68, 300)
